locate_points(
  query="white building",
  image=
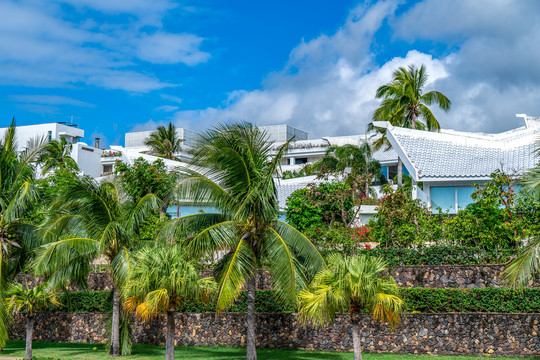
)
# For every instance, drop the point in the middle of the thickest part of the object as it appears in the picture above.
(282, 133)
(86, 157)
(448, 163)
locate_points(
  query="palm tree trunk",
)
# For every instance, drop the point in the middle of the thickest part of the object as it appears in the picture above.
(399, 172)
(169, 342)
(115, 325)
(357, 347)
(251, 353)
(29, 334)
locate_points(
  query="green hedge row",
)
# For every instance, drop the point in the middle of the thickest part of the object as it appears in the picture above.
(442, 255)
(425, 300)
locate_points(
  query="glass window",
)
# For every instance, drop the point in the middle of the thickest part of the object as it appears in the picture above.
(444, 198)
(384, 171)
(464, 196)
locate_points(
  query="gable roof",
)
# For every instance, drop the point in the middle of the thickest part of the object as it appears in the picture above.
(455, 155)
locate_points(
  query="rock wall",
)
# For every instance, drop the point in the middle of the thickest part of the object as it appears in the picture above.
(434, 276)
(478, 333)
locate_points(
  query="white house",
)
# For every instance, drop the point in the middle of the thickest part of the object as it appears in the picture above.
(87, 157)
(448, 163)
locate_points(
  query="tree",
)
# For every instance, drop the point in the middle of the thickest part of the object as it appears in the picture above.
(404, 104)
(161, 279)
(527, 264)
(238, 180)
(90, 221)
(142, 178)
(57, 155)
(17, 193)
(30, 301)
(354, 284)
(164, 142)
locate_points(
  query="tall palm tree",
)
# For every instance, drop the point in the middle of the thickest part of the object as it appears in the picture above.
(164, 142)
(57, 155)
(406, 105)
(30, 301)
(527, 264)
(90, 221)
(159, 282)
(236, 176)
(17, 193)
(354, 284)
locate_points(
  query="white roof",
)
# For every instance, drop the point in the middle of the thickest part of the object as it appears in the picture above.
(455, 155)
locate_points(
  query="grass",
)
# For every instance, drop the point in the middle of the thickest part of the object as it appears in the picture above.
(58, 351)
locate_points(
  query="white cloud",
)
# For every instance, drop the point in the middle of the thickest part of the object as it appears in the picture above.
(43, 44)
(166, 108)
(49, 100)
(164, 48)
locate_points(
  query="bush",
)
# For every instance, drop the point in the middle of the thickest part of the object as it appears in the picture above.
(402, 221)
(425, 300)
(441, 255)
(320, 205)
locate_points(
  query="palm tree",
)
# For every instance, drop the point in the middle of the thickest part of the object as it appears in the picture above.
(236, 176)
(161, 279)
(164, 142)
(355, 284)
(92, 221)
(527, 264)
(17, 193)
(359, 159)
(57, 155)
(30, 301)
(404, 104)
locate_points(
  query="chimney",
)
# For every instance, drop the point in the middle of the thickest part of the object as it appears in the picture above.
(96, 144)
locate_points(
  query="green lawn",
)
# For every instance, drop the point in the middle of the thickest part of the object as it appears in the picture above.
(57, 351)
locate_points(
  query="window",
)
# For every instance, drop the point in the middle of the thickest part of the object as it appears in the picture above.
(108, 168)
(451, 198)
(49, 135)
(464, 197)
(300, 161)
(444, 198)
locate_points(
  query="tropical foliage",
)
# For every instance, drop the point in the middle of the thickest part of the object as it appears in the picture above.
(57, 155)
(356, 285)
(92, 221)
(164, 142)
(30, 301)
(239, 182)
(160, 281)
(16, 195)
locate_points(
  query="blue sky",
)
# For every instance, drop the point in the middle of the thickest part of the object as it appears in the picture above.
(119, 65)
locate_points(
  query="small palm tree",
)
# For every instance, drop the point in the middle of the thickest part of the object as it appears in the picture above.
(91, 221)
(405, 105)
(239, 183)
(57, 155)
(17, 192)
(354, 284)
(359, 159)
(161, 279)
(30, 301)
(164, 142)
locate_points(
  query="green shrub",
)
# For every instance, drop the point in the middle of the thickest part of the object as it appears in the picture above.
(425, 300)
(440, 255)
(320, 205)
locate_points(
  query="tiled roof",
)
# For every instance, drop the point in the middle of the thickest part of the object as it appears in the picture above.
(286, 187)
(453, 154)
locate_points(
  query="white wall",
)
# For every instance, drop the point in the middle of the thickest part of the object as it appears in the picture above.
(27, 132)
(88, 158)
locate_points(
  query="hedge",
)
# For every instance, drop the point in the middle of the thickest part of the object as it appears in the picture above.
(441, 255)
(425, 300)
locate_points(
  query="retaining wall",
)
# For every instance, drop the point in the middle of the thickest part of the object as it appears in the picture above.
(475, 333)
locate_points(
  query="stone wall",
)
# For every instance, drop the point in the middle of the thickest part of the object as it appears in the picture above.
(435, 276)
(498, 334)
